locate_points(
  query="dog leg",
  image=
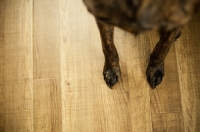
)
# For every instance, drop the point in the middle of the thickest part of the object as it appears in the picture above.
(111, 71)
(155, 69)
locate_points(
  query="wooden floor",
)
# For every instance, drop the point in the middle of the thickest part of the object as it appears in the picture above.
(51, 74)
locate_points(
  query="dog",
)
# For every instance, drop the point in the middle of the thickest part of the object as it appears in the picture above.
(137, 16)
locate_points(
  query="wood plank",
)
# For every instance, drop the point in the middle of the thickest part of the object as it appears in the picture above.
(46, 57)
(188, 56)
(166, 107)
(46, 39)
(2, 41)
(47, 105)
(88, 104)
(134, 53)
(16, 66)
(169, 122)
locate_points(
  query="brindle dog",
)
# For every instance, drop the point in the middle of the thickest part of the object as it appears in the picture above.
(136, 16)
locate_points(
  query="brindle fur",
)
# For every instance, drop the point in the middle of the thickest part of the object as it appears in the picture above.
(136, 16)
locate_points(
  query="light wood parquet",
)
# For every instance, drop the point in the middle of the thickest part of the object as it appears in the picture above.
(51, 79)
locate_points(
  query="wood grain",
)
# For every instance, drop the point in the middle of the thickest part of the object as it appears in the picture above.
(51, 65)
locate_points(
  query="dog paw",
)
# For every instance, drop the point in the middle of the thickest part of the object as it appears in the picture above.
(111, 76)
(155, 73)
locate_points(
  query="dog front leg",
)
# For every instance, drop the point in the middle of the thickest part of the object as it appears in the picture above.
(111, 71)
(155, 69)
